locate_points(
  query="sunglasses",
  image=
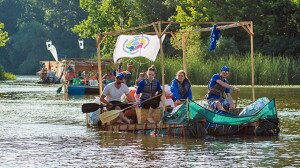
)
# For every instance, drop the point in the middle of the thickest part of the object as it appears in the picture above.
(119, 78)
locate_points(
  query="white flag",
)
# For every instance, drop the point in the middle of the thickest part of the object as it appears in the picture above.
(137, 46)
(53, 52)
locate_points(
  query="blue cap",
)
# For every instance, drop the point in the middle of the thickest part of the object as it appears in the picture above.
(225, 68)
(120, 75)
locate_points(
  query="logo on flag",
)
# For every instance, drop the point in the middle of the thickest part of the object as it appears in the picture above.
(133, 44)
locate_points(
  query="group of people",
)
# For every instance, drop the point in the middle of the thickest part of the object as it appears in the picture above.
(149, 90)
(48, 76)
(82, 77)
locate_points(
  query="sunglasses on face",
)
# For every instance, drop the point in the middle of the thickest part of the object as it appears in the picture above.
(120, 78)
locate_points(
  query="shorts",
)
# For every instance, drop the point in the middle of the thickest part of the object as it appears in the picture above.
(212, 103)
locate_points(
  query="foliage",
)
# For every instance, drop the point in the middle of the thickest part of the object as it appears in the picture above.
(272, 19)
(276, 27)
(6, 75)
(29, 47)
(3, 35)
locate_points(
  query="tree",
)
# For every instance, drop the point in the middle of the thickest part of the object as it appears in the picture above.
(272, 19)
(3, 35)
(28, 48)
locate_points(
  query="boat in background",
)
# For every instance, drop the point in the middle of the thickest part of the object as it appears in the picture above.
(53, 72)
(86, 82)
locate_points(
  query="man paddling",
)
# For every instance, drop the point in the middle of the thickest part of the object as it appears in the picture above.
(112, 94)
(217, 86)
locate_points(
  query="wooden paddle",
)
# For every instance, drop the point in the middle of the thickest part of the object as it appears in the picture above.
(60, 88)
(90, 107)
(113, 114)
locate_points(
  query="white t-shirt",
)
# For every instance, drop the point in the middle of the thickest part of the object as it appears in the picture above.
(114, 94)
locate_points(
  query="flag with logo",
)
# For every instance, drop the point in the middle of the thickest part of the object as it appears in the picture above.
(133, 46)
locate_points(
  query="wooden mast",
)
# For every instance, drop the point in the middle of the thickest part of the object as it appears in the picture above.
(184, 52)
(252, 59)
(162, 65)
(98, 39)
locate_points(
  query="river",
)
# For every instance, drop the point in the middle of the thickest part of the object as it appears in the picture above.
(38, 128)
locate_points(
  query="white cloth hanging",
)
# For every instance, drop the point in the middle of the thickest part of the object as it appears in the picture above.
(137, 46)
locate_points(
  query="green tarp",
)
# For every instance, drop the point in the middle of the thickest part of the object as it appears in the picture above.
(196, 113)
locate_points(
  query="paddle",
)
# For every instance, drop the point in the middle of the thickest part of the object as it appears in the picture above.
(112, 114)
(60, 88)
(90, 107)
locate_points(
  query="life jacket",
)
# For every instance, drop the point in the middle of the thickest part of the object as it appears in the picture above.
(183, 88)
(217, 89)
(149, 89)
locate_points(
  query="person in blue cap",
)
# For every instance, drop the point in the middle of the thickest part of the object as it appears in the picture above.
(217, 86)
(112, 94)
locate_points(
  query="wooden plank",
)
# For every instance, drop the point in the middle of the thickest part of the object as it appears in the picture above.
(134, 127)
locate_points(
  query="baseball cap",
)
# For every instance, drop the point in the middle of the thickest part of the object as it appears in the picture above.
(120, 75)
(225, 68)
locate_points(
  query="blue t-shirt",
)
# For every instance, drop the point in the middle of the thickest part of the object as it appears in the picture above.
(213, 82)
(175, 91)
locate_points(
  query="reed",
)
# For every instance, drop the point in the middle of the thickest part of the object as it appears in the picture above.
(268, 70)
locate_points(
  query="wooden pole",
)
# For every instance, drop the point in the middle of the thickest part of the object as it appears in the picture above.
(252, 60)
(162, 66)
(184, 53)
(65, 80)
(98, 39)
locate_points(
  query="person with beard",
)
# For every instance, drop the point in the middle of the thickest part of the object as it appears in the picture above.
(112, 94)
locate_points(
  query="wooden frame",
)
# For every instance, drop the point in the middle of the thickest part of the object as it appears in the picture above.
(157, 26)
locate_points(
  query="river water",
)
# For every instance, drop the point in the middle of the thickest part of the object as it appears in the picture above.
(38, 128)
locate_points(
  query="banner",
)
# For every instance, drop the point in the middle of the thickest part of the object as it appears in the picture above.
(133, 46)
(53, 52)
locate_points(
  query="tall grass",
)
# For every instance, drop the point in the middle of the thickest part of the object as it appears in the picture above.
(268, 70)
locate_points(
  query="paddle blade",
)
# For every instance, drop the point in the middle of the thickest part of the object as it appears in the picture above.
(108, 116)
(59, 89)
(90, 107)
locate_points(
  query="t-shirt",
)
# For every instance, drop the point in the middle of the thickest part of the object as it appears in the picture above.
(213, 82)
(114, 94)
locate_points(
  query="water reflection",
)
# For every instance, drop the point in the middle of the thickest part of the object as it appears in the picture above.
(38, 128)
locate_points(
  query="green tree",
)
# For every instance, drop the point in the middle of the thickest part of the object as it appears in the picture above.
(28, 48)
(3, 35)
(109, 15)
(272, 19)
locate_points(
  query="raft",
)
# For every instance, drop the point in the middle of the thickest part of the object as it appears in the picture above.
(194, 120)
